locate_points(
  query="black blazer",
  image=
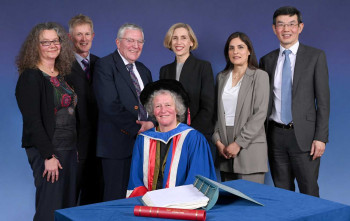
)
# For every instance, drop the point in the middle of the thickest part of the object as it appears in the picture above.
(118, 106)
(35, 100)
(310, 94)
(87, 108)
(198, 81)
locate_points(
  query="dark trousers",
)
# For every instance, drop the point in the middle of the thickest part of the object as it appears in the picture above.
(58, 195)
(116, 174)
(253, 177)
(288, 162)
(89, 181)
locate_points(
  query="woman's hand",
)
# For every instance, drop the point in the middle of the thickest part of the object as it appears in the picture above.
(221, 147)
(51, 168)
(232, 150)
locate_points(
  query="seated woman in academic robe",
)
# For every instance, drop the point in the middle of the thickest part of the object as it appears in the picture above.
(172, 153)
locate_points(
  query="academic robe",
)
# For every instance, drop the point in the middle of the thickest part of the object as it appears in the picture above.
(190, 156)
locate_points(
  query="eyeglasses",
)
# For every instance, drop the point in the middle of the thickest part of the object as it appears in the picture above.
(132, 41)
(48, 43)
(290, 25)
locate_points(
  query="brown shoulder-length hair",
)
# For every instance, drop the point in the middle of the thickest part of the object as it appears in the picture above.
(169, 35)
(252, 61)
(29, 57)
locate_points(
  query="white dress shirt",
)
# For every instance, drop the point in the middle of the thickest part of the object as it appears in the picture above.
(277, 84)
(137, 74)
(229, 100)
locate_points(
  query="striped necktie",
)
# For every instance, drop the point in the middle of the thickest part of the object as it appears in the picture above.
(86, 68)
(142, 111)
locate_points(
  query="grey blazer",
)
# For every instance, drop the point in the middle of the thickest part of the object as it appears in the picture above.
(310, 94)
(249, 130)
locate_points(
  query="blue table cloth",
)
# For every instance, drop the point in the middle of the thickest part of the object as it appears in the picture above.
(279, 205)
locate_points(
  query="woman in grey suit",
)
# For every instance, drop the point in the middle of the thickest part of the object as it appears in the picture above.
(242, 100)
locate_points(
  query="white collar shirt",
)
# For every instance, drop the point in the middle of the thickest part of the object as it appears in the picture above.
(80, 58)
(277, 84)
(137, 74)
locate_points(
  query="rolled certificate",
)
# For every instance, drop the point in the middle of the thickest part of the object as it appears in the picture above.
(170, 213)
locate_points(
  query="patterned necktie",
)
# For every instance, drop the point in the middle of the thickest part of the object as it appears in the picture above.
(142, 111)
(86, 68)
(286, 90)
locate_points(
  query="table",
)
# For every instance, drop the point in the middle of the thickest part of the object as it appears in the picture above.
(279, 205)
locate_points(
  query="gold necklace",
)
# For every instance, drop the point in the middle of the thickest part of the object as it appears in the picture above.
(49, 71)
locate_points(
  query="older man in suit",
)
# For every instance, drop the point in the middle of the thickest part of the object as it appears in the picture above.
(89, 180)
(298, 111)
(119, 79)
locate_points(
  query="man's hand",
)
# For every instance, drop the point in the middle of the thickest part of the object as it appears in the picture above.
(317, 149)
(145, 125)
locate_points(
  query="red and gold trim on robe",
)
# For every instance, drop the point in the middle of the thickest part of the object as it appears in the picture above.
(149, 158)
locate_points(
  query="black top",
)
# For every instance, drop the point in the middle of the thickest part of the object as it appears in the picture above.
(198, 80)
(164, 149)
(35, 98)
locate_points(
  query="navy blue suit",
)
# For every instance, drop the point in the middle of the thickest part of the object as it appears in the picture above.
(118, 111)
(89, 174)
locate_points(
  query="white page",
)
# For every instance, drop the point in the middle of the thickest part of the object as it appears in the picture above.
(186, 196)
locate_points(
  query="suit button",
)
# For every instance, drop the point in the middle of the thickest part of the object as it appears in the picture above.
(136, 107)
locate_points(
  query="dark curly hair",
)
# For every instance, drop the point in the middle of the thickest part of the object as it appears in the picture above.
(28, 57)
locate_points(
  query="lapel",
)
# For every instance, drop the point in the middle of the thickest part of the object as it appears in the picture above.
(222, 83)
(243, 91)
(186, 69)
(172, 71)
(93, 59)
(273, 67)
(123, 71)
(76, 68)
(298, 68)
(225, 76)
(143, 76)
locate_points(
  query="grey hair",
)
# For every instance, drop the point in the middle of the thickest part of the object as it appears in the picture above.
(179, 104)
(130, 26)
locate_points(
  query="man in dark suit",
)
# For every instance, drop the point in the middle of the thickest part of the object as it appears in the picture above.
(89, 180)
(118, 81)
(298, 111)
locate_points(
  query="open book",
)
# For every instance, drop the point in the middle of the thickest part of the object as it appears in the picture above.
(203, 193)
(182, 197)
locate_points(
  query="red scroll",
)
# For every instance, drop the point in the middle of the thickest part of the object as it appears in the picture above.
(170, 213)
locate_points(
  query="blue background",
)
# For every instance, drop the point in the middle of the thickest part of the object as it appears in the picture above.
(327, 27)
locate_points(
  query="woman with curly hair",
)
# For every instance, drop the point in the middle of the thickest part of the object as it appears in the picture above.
(47, 104)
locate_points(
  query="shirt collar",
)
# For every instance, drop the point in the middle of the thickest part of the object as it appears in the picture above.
(79, 58)
(124, 60)
(294, 48)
